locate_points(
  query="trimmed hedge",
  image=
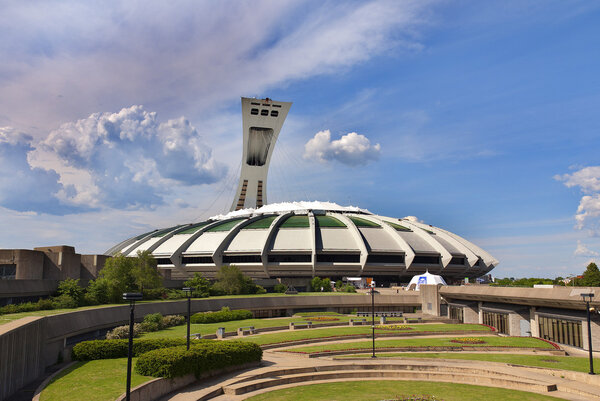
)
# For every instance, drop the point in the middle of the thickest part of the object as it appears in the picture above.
(201, 358)
(224, 315)
(108, 349)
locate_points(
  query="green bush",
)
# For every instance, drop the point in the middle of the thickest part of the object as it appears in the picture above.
(121, 332)
(154, 318)
(71, 288)
(64, 301)
(280, 288)
(224, 315)
(154, 293)
(97, 292)
(109, 349)
(201, 358)
(173, 320)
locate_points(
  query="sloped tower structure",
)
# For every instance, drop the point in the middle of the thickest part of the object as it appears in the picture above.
(299, 240)
(262, 120)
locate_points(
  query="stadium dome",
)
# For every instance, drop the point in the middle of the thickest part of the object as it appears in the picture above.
(299, 240)
(306, 239)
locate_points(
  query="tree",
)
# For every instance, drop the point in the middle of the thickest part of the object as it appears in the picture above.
(591, 276)
(232, 281)
(200, 285)
(145, 271)
(320, 284)
(70, 287)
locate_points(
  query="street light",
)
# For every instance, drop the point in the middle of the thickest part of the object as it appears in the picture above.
(373, 292)
(587, 298)
(188, 292)
(131, 297)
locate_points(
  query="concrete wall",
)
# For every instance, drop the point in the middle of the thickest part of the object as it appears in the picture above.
(21, 354)
(430, 299)
(30, 264)
(91, 266)
(29, 345)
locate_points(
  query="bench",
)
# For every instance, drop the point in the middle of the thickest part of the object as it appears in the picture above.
(413, 320)
(244, 331)
(357, 322)
(300, 325)
(196, 336)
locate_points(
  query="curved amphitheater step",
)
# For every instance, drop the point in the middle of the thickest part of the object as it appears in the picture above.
(283, 375)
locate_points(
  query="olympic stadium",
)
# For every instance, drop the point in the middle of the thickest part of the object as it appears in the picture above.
(300, 240)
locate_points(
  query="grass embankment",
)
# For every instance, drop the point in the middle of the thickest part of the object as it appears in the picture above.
(305, 334)
(374, 390)
(516, 342)
(14, 316)
(99, 380)
(576, 364)
(270, 338)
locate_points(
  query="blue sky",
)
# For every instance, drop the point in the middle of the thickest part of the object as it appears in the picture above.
(477, 117)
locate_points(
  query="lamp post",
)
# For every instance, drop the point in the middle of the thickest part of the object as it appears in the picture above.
(587, 298)
(131, 297)
(373, 292)
(188, 292)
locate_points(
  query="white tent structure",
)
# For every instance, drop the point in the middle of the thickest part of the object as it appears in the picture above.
(425, 278)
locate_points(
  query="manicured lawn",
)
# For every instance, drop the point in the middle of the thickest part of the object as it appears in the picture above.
(577, 364)
(101, 380)
(374, 390)
(304, 334)
(277, 337)
(14, 316)
(521, 342)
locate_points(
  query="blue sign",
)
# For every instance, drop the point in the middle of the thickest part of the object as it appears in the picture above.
(422, 280)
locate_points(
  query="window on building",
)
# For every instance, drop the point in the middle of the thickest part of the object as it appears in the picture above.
(456, 313)
(386, 259)
(338, 258)
(497, 320)
(254, 112)
(163, 261)
(196, 260)
(8, 271)
(561, 331)
(426, 260)
(242, 259)
(274, 113)
(290, 258)
(264, 112)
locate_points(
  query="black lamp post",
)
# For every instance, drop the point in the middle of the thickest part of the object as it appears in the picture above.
(131, 297)
(373, 292)
(587, 298)
(188, 292)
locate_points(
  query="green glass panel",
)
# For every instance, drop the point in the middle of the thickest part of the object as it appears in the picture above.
(261, 224)
(358, 222)
(193, 229)
(225, 226)
(398, 226)
(296, 222)
(328, 221)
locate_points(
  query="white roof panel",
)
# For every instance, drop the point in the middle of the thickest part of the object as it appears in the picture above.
(293, 239)
(378, 240)
(449, 247)
(144, 245)
(417, 243)
(248, 240)
(207, 242)
(171, 245)
(337, 239)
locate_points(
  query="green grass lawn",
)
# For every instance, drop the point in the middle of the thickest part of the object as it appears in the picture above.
(375, 390)
(520, 342)
(101, 380)
(14, 316)
(577, 364)
(270, 338)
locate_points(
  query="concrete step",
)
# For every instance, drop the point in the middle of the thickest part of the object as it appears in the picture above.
(468, 376)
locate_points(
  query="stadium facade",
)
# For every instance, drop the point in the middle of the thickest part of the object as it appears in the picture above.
(300, 240)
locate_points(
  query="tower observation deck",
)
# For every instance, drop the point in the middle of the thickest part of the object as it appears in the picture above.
(262, 120)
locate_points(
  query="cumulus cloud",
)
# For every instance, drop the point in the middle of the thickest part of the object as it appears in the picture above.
(588, 211)
(123, 160)
(23, 187)
(583, 250)
(351, 149)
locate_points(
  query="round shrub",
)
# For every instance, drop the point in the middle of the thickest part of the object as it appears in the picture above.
(109, 349)
(201, 358)
(121, 332)
(173, 320)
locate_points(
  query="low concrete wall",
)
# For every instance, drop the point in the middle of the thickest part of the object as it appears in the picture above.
(21, 353)
(29, 345)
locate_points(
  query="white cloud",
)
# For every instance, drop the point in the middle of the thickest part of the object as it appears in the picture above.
(122, 160)
(351, 149)
(588, 211)
(583, 250)
(75, 58)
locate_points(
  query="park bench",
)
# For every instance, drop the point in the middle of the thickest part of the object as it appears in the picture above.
(300, 325)
(357, 322)
(413, 320)
(379, 314)
(244, 331)
(196, 336)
